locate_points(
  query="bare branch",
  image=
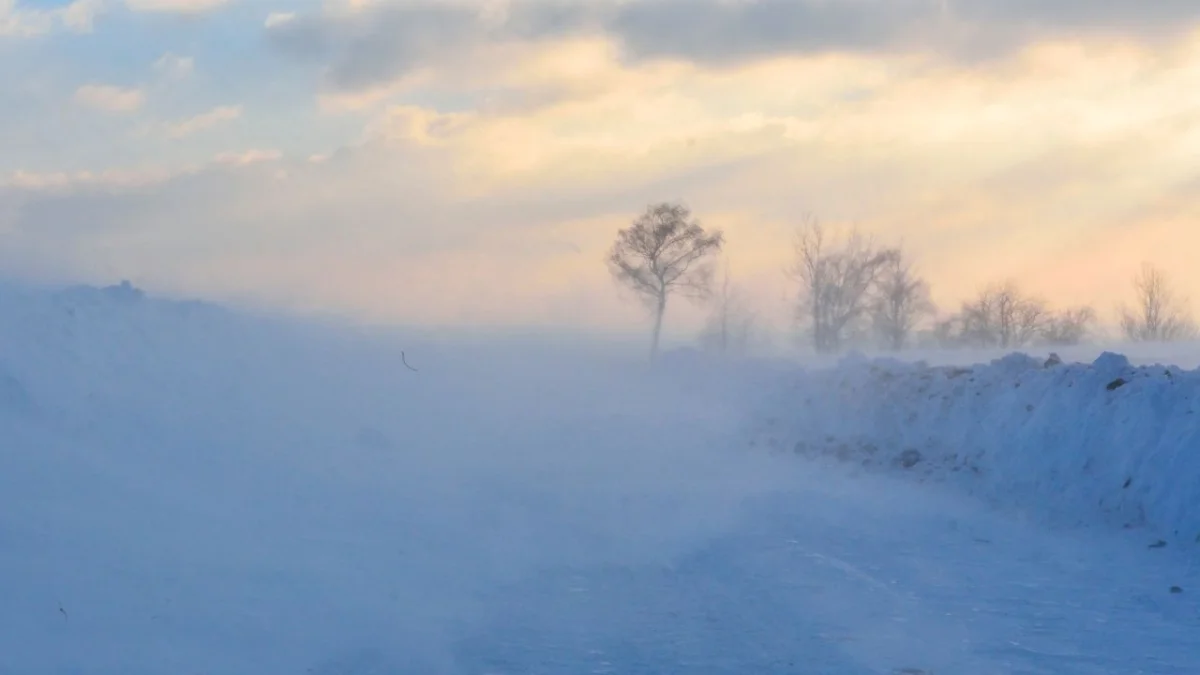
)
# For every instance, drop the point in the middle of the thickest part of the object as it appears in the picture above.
(835, 283)
(901, 301)
(1001, 316)
(1159, 316)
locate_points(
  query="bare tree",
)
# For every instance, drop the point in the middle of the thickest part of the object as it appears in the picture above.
(835, 282)
(663, 253)
(1159, 315)
(1001, 316)
(901, 301)
(730, 325)
(1068, 327)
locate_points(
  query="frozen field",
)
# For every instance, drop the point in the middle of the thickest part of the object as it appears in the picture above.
(189, 491)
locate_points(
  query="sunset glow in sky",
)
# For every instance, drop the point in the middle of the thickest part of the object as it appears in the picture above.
(470, 162)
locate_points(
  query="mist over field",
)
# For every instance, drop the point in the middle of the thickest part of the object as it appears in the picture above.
(188, 487)
(364, 337)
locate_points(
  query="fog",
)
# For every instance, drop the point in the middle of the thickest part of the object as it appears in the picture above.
(194, 489)
(232, 494)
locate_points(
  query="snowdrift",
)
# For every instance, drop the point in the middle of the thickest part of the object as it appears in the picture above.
(1070, 442)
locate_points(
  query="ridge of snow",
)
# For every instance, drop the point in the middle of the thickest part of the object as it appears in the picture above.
(1072, 442)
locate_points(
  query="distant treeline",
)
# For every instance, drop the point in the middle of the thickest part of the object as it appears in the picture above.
(853, 291)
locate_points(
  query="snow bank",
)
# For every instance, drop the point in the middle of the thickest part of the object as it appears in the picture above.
(1070, 441)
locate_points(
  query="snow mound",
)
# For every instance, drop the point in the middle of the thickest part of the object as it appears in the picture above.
(1072, 442)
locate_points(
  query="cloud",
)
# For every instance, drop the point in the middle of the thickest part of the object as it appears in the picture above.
(380, 43)
(718, 31)
(77, 16)
(80, 16)
(110, 98)
(175, 66)
(277, 19)
(175, 6)
(1067, 15)
(203, 121)
(374, 44)
(709, 31)
(465, 185)
(247, 157)
(377, 43)
(63, 182)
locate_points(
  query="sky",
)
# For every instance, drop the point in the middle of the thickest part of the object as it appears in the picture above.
(469, 163)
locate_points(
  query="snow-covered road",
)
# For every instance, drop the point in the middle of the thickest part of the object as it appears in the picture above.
(857, 577)
(772, 566)
(831, 575)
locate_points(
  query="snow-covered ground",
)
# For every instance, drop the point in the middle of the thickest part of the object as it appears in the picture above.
(187, 490)
(1078, 443)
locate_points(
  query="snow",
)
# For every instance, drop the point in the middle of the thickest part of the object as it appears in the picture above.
(1102, 442)
(188, 489)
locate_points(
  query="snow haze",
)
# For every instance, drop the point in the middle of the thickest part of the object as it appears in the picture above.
(191, 489)
(208, 492)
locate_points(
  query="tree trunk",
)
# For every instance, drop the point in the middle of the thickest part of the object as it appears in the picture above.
(659, 310)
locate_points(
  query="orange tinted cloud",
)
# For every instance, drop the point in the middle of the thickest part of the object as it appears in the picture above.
(1062, 166)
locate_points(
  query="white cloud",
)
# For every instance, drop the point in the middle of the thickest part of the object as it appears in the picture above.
(247, 157)
(203, 121)
(279, 18)
(80, 15)
(175, 6)
(112, 179)
(16, 22)
(110, 98)
(173, 65)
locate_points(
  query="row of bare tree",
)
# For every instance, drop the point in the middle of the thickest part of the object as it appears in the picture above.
(854, 291)
(855, 287)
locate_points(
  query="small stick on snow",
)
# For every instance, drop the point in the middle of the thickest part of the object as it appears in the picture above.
(405, 362)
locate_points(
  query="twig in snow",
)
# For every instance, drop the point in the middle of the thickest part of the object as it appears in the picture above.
(63, 612)
(405, 362)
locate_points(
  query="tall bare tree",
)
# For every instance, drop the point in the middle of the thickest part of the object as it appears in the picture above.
(730, 325)
(902, 300)
(1001, 316)
(836, 282)
(664, 253)
(1159, 315)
